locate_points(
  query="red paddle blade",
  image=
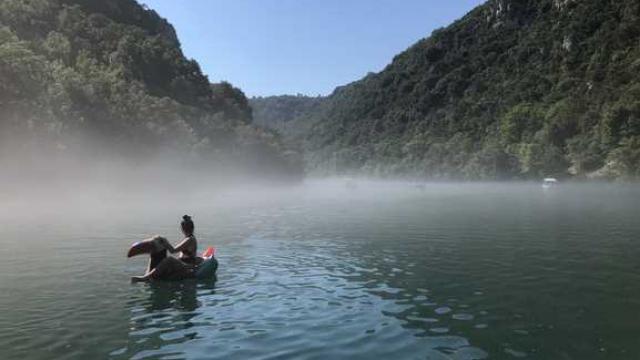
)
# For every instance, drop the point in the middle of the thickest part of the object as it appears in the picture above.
(209, 252)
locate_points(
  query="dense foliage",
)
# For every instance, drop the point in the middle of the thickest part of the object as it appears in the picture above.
(515, 89)
(109, 78)
(290, 115)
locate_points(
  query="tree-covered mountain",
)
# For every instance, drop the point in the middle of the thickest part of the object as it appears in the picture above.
(290, 115)
(108, 78)
(514, 89)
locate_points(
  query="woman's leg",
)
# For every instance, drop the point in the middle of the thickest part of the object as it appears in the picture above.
(155, 258)
(169, 268)
(173, 269)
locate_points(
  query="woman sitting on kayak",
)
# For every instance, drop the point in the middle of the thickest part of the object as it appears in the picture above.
(163, 267)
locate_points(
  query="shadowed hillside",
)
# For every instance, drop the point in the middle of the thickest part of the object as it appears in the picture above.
(86, 82)
(290, 115)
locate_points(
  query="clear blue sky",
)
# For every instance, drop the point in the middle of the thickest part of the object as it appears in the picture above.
(272, 47)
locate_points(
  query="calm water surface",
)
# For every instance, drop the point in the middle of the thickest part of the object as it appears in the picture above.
(328, 271)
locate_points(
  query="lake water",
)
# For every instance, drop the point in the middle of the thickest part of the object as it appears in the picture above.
(332, 271)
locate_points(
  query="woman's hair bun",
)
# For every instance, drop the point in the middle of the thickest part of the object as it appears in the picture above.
(186, 218)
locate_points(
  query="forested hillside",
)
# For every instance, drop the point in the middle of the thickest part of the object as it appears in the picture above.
(290, 115)
(107, 79)
(515, 89)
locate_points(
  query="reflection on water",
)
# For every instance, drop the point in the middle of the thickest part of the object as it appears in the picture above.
(304, 301)
(381, 270)
(164, 314)
(181, 296)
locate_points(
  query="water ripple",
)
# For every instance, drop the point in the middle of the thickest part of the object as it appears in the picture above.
(450, 273)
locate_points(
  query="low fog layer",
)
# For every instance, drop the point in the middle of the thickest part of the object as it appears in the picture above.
(43, 189)
(44, 180)
(98, 98)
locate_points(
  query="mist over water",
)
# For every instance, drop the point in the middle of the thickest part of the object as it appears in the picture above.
(109, 134)
(333, 268)
(86, 180)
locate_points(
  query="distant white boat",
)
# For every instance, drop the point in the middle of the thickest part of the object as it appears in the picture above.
(549, 183)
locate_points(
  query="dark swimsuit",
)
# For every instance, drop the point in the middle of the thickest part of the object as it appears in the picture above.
(188, 256)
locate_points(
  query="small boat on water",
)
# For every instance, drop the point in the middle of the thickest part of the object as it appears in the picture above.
(548, 183)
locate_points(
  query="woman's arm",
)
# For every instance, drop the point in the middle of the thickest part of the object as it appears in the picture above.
(183, 244)
(163, 243)
(167, 245)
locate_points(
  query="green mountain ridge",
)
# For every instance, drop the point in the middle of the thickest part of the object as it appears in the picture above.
(290, 115)
(88, 80)
(514, 89)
